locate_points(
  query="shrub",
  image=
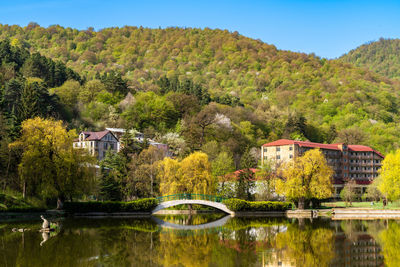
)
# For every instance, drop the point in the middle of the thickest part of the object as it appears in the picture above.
(141, 205)
(242, 205)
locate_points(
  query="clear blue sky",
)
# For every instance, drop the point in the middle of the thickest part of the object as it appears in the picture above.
(327, 28)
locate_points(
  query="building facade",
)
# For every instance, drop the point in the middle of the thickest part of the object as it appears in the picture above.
(97, 143)
(357, 162)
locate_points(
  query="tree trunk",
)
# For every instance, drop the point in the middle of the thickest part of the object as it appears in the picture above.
(302, 223)
(60, 202)
(301, 203)
(190, 208)
(24, 190)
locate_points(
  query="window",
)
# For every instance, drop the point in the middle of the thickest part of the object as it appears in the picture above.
(345, 167)
(290, 148)
(105, 145)
(290, 156)
(278, 157)
(278, 149)
(112, 146)
(265, 150)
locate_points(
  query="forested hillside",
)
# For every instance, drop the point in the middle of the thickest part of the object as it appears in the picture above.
(209, 89)
(382, 57)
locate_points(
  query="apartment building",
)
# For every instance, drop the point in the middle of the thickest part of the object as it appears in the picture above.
(97, 143)
(347, 161)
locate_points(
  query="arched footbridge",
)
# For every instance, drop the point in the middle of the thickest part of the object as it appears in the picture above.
(185, 199)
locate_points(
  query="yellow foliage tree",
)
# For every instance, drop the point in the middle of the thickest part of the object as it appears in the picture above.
(389, 180)
(191, 175)
(50, 166)
(306, 177)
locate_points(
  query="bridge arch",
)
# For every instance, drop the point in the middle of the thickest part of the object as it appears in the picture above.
(217, 205)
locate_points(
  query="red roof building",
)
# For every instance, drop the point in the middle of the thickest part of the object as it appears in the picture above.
(348, 161)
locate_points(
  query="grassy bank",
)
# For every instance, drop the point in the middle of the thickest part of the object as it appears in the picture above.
(14, 202)
(376, 205)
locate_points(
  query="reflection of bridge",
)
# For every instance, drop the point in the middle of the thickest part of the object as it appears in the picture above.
(184, 199)
(217, 223)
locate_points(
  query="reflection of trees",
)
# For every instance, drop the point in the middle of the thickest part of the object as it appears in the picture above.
(307, 246)
(390, 243)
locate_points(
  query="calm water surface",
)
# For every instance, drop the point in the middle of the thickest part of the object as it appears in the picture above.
(200, 240)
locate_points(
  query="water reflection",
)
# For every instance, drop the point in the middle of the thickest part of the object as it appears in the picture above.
(238, 242)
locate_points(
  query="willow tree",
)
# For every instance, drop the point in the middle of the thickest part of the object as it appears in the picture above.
(50, 166)
(191, 175)
(306, 177)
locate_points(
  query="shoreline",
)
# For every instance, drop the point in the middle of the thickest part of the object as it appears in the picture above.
(334, 214)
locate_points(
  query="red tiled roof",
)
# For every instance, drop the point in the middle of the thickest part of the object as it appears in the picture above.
(235, 175)
(363, 148)
(251, 169)
(358, 148)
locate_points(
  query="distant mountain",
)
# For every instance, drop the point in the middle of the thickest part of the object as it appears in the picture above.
(382, 57)
(280, 93)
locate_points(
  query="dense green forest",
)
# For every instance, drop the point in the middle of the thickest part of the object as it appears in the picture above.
(201, 88)
(382, 57)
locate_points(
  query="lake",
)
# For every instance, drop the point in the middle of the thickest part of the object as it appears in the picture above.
(202, 240)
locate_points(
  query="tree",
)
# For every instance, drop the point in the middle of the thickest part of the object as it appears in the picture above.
(245, 186)
(68, 93)
(151, 110)
(50, 166)
(306, 177)
(373, 192)
(191, 175)
(266, 180)
(114, 171)
(351, 136)
(349, 192)
(390, 176)
(142, 175)
(220, 167)
(91, 89)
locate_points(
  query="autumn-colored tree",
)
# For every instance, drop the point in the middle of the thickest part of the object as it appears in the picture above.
(191, 175)
(390, 176)
(50, 166)
(306, 177)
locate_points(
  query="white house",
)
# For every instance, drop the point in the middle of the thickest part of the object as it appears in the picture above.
(97, 143)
